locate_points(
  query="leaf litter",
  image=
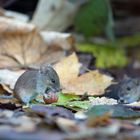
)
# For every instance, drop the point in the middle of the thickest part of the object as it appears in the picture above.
(23, 46)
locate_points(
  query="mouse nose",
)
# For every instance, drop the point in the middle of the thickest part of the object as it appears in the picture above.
(57, 90)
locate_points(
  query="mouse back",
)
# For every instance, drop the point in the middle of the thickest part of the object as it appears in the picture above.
(26, 84)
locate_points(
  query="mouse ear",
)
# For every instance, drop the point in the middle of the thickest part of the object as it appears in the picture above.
(45, 68)
(126, 77)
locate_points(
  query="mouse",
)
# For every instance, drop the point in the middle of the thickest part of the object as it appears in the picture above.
(43, 81)
(128, 90)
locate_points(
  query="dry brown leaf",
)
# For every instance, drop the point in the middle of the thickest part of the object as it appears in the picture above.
(58, 45)
(11, 26)
(92, 83)
(6, 95)
(5, 89)
(20, 44)
(64, 41)
(68, 68)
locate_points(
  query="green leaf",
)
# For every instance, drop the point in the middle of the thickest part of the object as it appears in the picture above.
(65, 98)
(72, 102)
(80, 104)
(117, 111)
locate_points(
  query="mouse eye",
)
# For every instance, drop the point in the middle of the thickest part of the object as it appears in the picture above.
(128, 88)
(52, 80)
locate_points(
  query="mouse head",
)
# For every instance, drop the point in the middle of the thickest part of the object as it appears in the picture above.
(50, 78)
(128, 90)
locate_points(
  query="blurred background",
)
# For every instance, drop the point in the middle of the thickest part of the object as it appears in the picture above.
(106, 32)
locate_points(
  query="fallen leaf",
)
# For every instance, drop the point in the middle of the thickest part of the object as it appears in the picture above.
(75, 105)
(21, 44)
(52, 111)
(58, 44)
(92, 83)
(72, 102)
(117, 111)
(8, 77)
(5, 90)
(79, 104)
(68, 68)
(98, 120)
(11, 26)
(65, 98)
(6, 96)
(59, 40)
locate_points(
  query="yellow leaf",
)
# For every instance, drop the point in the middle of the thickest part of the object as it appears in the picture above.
(92, 83)
(68, 68)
